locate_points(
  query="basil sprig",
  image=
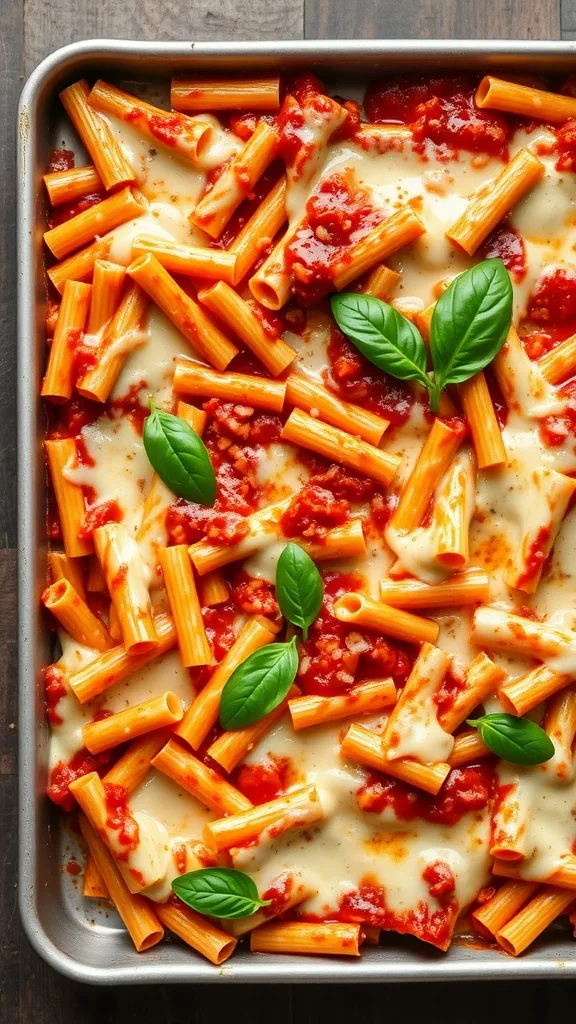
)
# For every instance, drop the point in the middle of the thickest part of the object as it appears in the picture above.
(179, 457)
(219, 892)
(469, 326)
(518, 740)
(299, 588)
(258, 685)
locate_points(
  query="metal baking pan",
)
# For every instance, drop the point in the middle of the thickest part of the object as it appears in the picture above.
(80, 941)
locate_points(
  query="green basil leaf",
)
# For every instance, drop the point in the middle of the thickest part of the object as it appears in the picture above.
(179, 457)
(299, 588)
(219, 892)
(518, 740)
(382, 334)
(258, 685)
(470, 322)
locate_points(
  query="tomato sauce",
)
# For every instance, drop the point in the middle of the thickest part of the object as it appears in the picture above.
(67, 420)
(167, 128)
(132, 405)
(565, 145)
(65, 772)
(353, 378)
(253, 595)
(99, 515)
(188, 522)
(54, 689)
(312, 512)
(344, 484)
(61, 160)
(368, 905)
(219, 623)
(119, 819)
(465, 789)
(339, 213)
(447, 695)
(245, 123)
(265, 780)
(279, 894)
(306, 96)
(441, 881)
(506, 244)
(536, 556)
(335, 656)
(440, 109)
(85, 359)
(234, 436)
(553, 300)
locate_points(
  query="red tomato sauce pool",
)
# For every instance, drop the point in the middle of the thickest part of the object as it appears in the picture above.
(506, 244)
(338, 214)
(335, 656)
(264, 780)
(439, 108)
(65, 772)
(465, 789)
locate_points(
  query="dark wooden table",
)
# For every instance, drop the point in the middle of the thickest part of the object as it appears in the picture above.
(29, 29)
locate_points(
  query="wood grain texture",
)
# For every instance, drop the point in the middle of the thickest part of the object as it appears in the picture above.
(11, 61)
(430, 19)
(568, 18)
(49, 24)
(30, 993)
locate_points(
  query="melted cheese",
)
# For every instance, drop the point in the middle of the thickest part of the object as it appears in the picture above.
(119, 469)
(349, 844)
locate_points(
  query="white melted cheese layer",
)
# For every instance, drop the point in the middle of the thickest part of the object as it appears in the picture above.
(349, 844)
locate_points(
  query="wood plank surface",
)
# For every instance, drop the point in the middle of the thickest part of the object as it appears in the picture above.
(30, 993)
(430, 19)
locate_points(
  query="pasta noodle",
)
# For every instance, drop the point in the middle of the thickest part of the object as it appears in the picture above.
(192, 94)
(190, 137)
(485, 210)
(242, 319)
(107, 155)
(205, 337)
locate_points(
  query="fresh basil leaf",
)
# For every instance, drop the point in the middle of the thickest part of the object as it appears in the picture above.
(382, 334)
(518, 740)
(299, 588)
(179, 457)
(470, 322)
(258, 685)
(219, 892)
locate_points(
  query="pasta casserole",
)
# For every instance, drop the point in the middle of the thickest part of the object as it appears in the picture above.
(310, 394)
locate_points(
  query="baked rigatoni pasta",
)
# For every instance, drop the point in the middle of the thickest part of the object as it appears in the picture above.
(108, 156)
(58, 382)
(293, 676)
(189, 137)
(216, 208)
(68, 185)
(485, 210)
(192, 94)
(204, 336)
